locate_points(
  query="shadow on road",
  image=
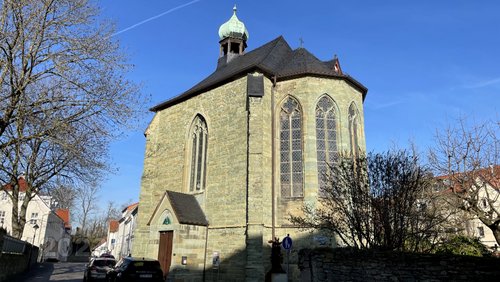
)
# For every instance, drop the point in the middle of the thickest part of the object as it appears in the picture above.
(61, 272)
(39, 272)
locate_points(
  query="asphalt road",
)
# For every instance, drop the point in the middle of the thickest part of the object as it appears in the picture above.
(59, 271)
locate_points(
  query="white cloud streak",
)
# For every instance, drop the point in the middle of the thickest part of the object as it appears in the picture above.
(155, 17)
(483, 83)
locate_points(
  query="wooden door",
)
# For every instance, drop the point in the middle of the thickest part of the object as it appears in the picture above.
(165, 250)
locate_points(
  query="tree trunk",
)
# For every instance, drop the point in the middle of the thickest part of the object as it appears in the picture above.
(496, 232)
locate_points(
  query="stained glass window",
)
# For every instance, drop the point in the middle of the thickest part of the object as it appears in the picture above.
(291, 169)
(167, 221)
(198, 157)
(326, 138)
(354, 130)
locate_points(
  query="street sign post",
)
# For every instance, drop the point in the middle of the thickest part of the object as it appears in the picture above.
(287, 245)
(287, 242)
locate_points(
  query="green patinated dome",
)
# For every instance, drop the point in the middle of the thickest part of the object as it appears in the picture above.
(233, 28)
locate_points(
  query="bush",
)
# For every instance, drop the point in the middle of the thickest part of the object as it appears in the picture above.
(462, 245)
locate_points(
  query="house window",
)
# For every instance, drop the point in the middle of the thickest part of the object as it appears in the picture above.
(4, 195)
(34, 217)
(326, 138)
(480, 230)
(354, 130)
(2, 217)
(198, 162)
(291, 170)
(485, 202)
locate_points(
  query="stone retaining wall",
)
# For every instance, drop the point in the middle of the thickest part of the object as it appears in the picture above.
(355, 265)
(12, 264)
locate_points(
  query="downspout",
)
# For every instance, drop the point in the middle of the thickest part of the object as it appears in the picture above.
(273, 165)
(206, 247)
(247, 184)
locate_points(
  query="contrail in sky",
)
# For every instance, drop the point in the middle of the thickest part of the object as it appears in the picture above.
(155, 17)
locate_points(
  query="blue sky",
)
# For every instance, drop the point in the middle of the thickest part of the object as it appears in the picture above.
(425, 63)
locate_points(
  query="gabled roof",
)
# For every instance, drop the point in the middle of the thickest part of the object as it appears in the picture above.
(23, 185)
(64, 215)
(490, 175)
(130, 207)
(274, 58)
(187, 209)
(113, 225)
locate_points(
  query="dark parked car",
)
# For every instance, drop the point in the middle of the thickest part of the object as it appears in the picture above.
(97, 269)
(136, 269)
(106, 255)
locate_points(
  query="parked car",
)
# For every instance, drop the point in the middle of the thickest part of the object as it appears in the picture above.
(136, 269)
(97, 269)
(107, 255)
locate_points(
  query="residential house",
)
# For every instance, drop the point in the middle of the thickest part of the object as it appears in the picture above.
(112, 237)
(101, 248)
(482, 188)
(46, 226)
(125, 234)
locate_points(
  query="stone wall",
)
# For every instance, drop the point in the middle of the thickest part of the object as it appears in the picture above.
(223, 201)
(13, 264)
(355, 265)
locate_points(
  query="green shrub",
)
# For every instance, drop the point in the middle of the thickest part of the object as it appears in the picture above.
(462, 245)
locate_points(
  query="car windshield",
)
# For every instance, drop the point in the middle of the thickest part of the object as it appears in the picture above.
(104, 262)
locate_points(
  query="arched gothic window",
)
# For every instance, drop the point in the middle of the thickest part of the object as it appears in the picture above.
(354, 130)
(291, 170)
(326, 137)
(198, 150)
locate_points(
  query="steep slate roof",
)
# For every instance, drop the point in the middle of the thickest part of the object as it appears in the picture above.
(186, 209)
(274, 58)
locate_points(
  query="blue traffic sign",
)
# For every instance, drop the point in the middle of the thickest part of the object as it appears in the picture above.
(287, 243)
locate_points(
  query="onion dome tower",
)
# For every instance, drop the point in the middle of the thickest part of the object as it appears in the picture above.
(233, 38)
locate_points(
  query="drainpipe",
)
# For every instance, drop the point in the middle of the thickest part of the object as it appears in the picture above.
(206, 247)
(273, 166)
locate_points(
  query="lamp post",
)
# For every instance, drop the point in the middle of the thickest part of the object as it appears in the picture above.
(34, 233)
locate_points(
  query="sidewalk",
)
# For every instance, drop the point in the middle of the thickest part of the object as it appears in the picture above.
(39, 272)
(57, 271)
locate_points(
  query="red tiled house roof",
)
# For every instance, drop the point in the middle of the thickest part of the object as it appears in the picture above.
(23, 185)
(113, 225)
(64, 215)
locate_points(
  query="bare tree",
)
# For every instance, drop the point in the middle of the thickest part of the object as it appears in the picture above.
(97, 227)
(112, 212)
(467, 156)
(380, 201)
(63, 96)
(64, 196)
(87, 205)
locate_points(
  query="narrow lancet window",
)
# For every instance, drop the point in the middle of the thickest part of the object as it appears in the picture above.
(198, 135)
(354, 130)
(291, 167)
(326, 138)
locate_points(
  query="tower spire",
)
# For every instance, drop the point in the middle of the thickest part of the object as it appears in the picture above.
(233, 38)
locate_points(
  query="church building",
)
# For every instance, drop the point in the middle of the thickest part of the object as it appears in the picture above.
(230, 159)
